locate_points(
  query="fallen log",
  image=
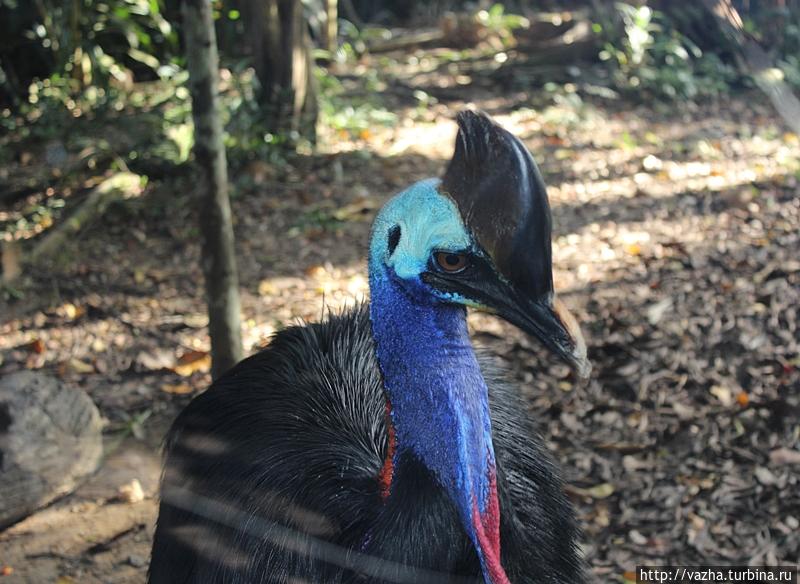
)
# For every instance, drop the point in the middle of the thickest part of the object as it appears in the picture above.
(120, 186)
(550, 58)
(405, 41)
(50, 440)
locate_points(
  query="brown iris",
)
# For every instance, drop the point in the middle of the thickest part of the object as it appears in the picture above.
(450, 262)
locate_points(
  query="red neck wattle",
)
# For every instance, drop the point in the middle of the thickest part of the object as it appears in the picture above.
(487, 534)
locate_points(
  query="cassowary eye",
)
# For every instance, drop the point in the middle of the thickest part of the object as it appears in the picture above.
(450, 262)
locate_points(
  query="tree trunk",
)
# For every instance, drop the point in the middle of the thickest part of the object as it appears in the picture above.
(280, 44)
(218, 258)
(757, 62)
(331, 25)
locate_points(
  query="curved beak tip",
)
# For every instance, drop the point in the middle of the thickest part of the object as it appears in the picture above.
(577, 356)
(583, 366)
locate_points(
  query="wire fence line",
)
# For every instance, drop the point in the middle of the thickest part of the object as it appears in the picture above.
(292, 540)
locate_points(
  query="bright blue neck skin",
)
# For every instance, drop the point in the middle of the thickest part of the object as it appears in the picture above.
(437, 394)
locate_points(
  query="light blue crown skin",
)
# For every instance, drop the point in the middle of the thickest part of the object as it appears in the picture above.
(428, 221)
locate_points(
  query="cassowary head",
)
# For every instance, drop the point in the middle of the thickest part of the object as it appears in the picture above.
(480, 237)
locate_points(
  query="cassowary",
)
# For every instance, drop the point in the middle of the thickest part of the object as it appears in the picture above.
(377, 446)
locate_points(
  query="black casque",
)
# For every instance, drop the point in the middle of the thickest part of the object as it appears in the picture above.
(503, 200)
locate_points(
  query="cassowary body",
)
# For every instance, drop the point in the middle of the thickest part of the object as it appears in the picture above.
(306, 452)
(376, 446)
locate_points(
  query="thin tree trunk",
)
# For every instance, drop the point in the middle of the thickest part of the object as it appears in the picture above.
(757, 62)
(218, 257)
(331, 25)
(280, 45)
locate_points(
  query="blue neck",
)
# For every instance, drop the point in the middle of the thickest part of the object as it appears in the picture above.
(438, 399)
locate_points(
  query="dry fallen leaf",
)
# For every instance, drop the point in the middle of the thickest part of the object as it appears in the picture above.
(316, 272)
(74, 366)
(131, 492)
(765, 476)
(195, 320)
(781, 456)
(356, 210)
(155, 360)
(723, 394)
(267, 288)
(69, 311)
(192, 361)
(177, 388)
(657, 311)
(633, 249)
(6, 570)
(35, 346)
(601, 491)
(637, 538)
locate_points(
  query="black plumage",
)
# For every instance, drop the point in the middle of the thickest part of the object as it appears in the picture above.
(375, 446)
(272, 477)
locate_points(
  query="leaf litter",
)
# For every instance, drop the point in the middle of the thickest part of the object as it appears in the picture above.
(676, 248)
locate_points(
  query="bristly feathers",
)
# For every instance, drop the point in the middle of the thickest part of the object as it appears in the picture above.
(298, 433)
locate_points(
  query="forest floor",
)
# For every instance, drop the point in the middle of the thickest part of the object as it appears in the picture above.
(676, 245)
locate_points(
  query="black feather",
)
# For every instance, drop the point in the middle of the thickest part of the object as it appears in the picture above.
(272, 477)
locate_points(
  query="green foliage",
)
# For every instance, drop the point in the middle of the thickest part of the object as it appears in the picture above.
(501, 23)
(789, 48)
(244, 118)
(314, 219)
(776, 26)
(348, 114)
(790, 66)
(652, 57)
(82, 45)
(354, 41)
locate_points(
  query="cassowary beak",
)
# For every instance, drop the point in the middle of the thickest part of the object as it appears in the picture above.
(502, 200)
(555, 327)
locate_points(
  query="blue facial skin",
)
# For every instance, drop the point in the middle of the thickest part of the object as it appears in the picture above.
(438, 396)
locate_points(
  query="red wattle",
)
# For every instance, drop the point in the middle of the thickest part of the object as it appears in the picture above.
(487, 532)
(387, 471)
